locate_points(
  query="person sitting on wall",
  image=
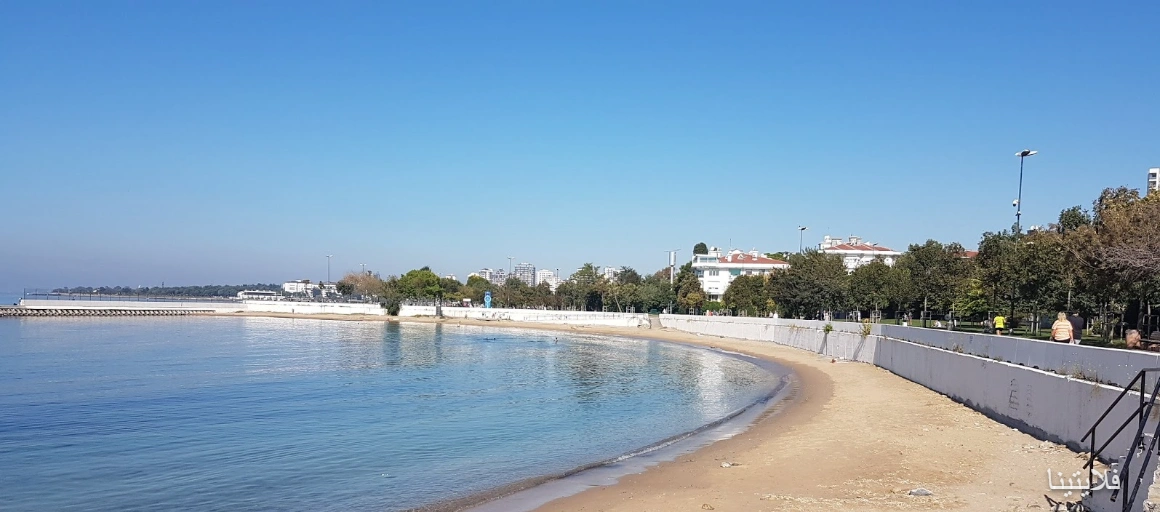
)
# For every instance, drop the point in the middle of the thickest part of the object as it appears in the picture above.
(1132, 340)
(1061, 330)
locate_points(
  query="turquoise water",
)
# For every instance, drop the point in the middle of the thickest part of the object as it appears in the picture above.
(279, 414)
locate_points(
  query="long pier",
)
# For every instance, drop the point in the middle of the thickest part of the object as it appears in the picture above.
(13, 311)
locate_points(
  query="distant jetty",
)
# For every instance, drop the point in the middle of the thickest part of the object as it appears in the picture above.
(9, 311)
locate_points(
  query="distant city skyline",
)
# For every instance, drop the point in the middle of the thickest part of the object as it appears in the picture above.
(221, 142)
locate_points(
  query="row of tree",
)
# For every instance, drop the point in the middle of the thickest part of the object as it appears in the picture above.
(1101, 262)
(586, 290)
(206, 291)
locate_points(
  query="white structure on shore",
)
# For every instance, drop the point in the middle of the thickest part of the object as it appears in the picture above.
(259, 295)
(610, 273)
(716, 270)
(856, 252)
(303, 286)
(1153, 180)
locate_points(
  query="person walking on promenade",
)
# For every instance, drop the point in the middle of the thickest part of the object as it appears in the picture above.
(1061, 330)
(1000, 324)
(1076, 327)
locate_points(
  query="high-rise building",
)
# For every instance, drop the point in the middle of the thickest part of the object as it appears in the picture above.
(485, 273)
(547, 276)
(525, 272)
(1153, 179)
(610, 273)
(498, 276)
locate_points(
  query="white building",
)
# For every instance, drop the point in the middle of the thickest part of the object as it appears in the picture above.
(610, 273)
(259, 295)
(451, 276)
(330, 290)
(547, 276)
(716, 270)
(1153, 179)
(303, 286)
(856, 252)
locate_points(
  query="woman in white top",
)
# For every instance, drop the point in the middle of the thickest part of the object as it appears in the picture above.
(1061, 329)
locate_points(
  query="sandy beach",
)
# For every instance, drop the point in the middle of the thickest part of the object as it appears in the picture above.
(852, 437)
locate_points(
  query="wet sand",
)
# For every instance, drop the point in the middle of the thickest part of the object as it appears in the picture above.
(852, 437)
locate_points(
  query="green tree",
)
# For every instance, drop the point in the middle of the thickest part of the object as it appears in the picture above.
(628, 275)
(1072, 218)
(815, 282)
(746, 295)
(870, 285)
(700, 248)
(780, 256)
(420, 284)
(938, 272)
(687, 285)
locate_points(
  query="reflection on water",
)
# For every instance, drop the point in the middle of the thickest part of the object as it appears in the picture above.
(242, 413)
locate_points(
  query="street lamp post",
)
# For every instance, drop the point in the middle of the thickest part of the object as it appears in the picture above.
(510, 258)
(1019, 199)
(328, 256)
(672, 265)
(801, 236)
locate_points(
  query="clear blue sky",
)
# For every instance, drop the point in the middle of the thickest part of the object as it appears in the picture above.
(226, 142)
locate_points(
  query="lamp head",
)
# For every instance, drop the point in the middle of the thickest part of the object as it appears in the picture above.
(1025, 152)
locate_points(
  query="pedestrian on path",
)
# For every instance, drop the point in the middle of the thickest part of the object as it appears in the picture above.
(1061, 330)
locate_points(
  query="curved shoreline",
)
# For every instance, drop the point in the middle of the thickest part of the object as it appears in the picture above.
(855, 437)
(532, 493)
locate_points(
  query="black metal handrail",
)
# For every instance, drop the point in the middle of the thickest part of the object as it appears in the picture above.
(1141, 413)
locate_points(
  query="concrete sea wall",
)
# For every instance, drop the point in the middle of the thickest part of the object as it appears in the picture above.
(534, 315)
(314, 308)
(1025, 384)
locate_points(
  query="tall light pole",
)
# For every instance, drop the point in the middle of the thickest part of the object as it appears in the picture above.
(328, 256)
(801, 236)
(364, 268)
(510, 258)
(672, 265)
(1019, 199)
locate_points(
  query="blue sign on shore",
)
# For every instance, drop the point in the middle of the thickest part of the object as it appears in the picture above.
(487, 299)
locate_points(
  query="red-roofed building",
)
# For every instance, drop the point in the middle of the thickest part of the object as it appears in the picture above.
(716, 270)
(856, 252)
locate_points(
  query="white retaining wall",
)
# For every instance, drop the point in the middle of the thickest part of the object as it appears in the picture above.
(1049, 405)
(533, 315)
(314, 308)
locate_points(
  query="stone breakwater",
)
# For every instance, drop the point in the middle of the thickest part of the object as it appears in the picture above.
(16, 311)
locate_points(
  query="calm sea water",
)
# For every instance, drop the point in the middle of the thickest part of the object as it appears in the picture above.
(279, 414)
